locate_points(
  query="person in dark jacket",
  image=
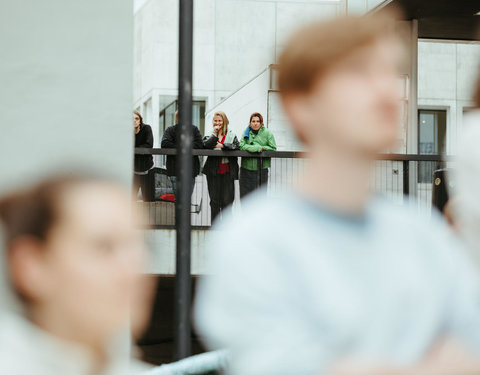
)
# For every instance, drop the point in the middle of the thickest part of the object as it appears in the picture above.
(169, 140)
(143, 163)
(221, 171)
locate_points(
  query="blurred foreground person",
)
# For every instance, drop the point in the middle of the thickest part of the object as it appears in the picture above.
(468, 179)
(71, 272)
(330, 279)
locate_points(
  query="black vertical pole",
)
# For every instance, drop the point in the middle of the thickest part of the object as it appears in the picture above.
(184, 176)
(260, 171)
(406, 178)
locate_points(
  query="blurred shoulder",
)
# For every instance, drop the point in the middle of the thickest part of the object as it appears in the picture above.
(406, 213)
(259, 213)
(423, 233)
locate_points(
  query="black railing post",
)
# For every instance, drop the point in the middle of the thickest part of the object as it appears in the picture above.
(260, 171)
(184, 176)
(406, 178)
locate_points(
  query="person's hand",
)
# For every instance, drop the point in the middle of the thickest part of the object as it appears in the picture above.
(447, 357)
(216, 129)
(359, 368)
(219, 145)
(450, 357)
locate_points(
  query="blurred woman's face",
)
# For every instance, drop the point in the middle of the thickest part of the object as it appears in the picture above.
(136, 120)
(88, 273)
(218, 123)
(255, 123)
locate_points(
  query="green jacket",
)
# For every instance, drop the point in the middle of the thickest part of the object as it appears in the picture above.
(254, 143)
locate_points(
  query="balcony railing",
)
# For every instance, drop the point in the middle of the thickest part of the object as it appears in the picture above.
(395, 177)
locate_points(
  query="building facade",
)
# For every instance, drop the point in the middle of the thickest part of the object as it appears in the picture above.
(237, 42)
(236, 46)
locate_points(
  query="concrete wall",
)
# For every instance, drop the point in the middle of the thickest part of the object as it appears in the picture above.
(240, 105)
(66, 77)
(233, 42)
(279, 125)
(362, 6)
(446, 74)
(162, 245)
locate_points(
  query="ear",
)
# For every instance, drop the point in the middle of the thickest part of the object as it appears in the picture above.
(297, 109)
(28, 274)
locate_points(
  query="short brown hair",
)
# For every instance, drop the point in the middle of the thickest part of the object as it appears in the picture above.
(314, 49)
(256, 114)
(34, 211)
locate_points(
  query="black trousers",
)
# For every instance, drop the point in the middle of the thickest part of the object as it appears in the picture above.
(221, 189)
(251, 180)
(147, 184)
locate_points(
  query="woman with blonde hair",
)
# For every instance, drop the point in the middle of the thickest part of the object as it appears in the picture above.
(221, 171)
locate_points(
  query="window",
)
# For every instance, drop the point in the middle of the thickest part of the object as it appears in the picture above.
(432, 128)
(167, 116)
(147, 111)
(198, 115)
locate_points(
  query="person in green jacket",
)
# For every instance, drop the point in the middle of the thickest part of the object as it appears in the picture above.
(256, 138)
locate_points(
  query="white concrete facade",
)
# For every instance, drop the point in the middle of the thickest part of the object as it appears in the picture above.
(446, 76)
(233, 42)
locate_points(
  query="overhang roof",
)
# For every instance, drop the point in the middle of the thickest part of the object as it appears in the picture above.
(440, 19)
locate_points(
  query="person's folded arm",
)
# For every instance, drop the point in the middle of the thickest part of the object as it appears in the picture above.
(235, 145)
(210, 142)
(197, 139)
(149, 138)
(458, 352)
(271, 144)
(250, 147)
(449, 357)
(169, 138)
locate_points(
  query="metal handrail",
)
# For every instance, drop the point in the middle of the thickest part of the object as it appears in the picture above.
(195, 365)
(287, 154)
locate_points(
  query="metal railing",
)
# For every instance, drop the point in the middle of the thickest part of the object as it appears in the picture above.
(395, 177)
(206, 363)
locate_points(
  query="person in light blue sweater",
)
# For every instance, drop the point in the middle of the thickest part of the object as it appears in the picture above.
(329, 278)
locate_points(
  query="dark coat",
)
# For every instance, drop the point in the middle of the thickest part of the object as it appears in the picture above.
(144, 139)
(211, 165)
(169, 140)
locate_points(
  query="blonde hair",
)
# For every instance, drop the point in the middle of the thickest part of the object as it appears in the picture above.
(224, 118)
